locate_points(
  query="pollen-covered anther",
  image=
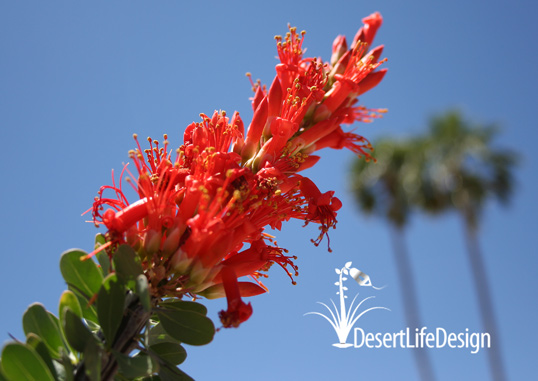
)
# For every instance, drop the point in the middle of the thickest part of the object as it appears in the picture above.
(249, 76)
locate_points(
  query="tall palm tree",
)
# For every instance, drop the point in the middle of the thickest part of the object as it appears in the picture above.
(387, 189)
(462, 171)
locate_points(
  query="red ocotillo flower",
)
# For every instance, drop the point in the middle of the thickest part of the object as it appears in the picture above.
(199, 221)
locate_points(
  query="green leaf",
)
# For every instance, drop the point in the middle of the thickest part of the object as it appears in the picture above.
(82, 275)
(187, 326)
(89, 312)
(69, 299)
(100, 240)
(104, 262)
(171, 352)
(41, 349)
(38, 321)
(110, 303)
(76, 333)
(171, 373)
(184, 305)
(92, 361)
(69, 369)
(127, 264)
(157, 334)
(2, 375)
(102, 256)
(142, 291)
(21, 362)
(133, 367)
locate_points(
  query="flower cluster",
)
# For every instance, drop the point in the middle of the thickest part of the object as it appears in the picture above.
(199, 222)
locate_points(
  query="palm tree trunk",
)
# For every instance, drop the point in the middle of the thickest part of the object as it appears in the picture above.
(410, 301)
(484, 300)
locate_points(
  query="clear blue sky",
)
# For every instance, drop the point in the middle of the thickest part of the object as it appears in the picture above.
(76, 80)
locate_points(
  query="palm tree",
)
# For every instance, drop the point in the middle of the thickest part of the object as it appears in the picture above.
(388, 189)
(461, 171)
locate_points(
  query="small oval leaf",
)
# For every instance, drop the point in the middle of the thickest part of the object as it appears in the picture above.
(127, 264)
(76, 333)
(41, 349)
(184, 305)
(142, 291)
(37, 320)
(173, 353)
(102, 256)
(135, 367)
(69, 299)
(187, 326)
(168, 372)
(92, 360)
(100, 240)
(82, 275)
(110, 303)
(21, 362)
(89, 312)
(104, 262)
(157, 334)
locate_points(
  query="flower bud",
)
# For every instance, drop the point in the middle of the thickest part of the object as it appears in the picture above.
(152, 241)
(339, 48)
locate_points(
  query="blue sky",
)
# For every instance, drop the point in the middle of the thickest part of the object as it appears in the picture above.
(78, 79)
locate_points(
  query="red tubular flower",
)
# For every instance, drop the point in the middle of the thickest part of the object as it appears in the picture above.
(339, 49)
(275, 98)
(348, 83)
(339, 139)
(322, 208)
(290, 53)
(255, 129)
(238, 311)
(368, 31)
(196, 212)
